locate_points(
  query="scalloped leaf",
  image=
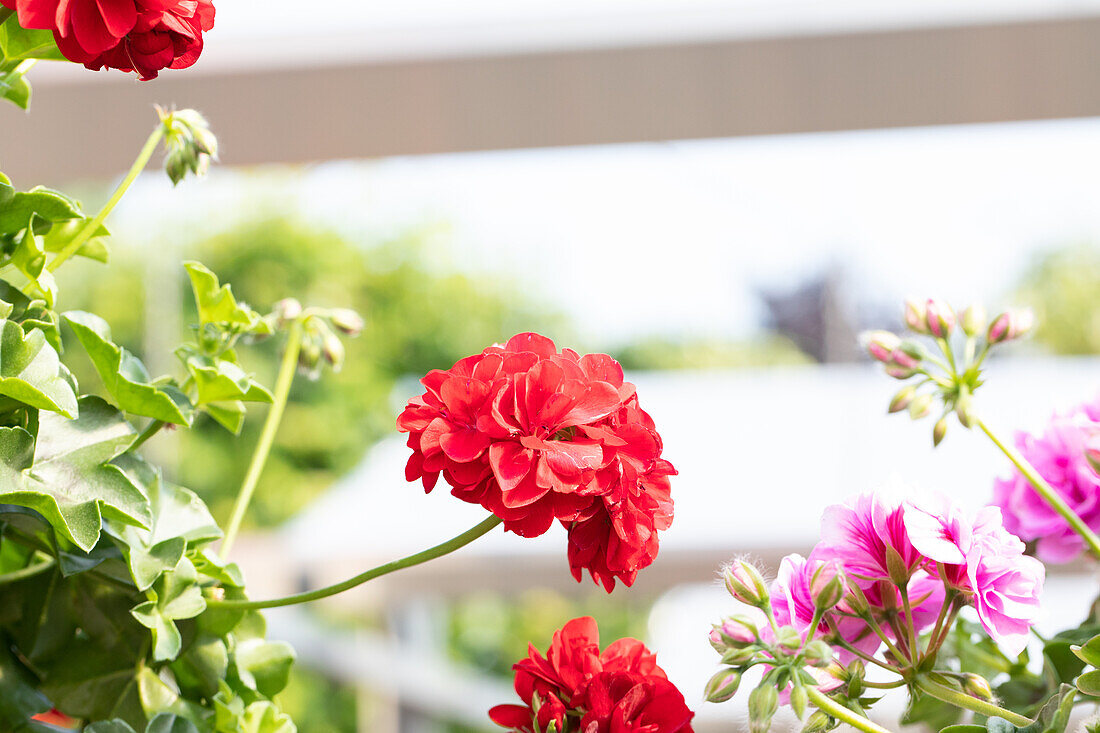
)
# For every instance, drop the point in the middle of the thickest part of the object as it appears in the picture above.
(220, 379)
(175, 595)
(263, 666)
(215, 302)
(41, 202)
(67, 478)
(30, 371)
(125, 377)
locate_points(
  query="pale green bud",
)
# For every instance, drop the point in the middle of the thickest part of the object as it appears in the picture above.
(722, 685)
(939, 430)
(763, 702)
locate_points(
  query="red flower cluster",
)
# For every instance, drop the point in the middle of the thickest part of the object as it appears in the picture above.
(621, 690)
(536, 435)
(132, 35)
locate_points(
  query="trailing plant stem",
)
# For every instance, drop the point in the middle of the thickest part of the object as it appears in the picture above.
(27, 572)
(267, 437)
(1045, 490)
(92, 226)
(841, 713)
(968, 702)
(421, 557)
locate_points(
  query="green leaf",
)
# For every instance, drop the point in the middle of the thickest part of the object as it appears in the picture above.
(215, 302)
(263, 717)
(1054, 716)
(230, 415)
(157, 697)
(180, 520)
(31, 372)
(220, 379)
(263, 666)
(31, 314)
(125, 376)
(95, 683)
(1089, 683)
(202, 666)
(109, 726)
(176, 595)
(170, 723)
(71, 482)
(40, 202)
(16, 89)
(18, 43)
(61, 233)
(963, 728)
(1089, 652)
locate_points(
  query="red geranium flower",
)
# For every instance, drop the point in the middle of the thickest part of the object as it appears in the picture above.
(533, 435)
(132, 35)
(581, 690)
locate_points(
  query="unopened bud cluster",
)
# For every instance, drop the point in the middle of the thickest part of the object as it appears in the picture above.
(787, 655)
(322, 329)
(951, 376)
(190, 143)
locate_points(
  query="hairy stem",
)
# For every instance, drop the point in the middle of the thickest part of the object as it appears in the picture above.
(967, 702)
(92, 226)
(267, 437)
(421, 557)
(1046, 491)
(832, 707)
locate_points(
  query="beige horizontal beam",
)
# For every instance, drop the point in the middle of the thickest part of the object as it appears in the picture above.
(1027, 70)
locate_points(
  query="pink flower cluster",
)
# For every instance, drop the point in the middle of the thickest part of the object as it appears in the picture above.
(535, 435)
(1058, 454)
(887, 547)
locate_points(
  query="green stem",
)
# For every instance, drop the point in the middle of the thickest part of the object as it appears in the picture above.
(967, 702)
(421, 557)
(832, 707)
(92, 226)
(152, 429)
(267, 437)
(914, 650)
(1045, 490)
(27, 572)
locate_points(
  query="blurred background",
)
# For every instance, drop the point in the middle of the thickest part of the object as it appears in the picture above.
(719, 193)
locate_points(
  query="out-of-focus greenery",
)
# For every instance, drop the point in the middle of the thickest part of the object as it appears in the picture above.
(666, 353)
(1063, 287)
(417, 318)
(317, 704)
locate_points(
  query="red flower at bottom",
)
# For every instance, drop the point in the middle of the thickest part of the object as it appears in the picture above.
(577, 689)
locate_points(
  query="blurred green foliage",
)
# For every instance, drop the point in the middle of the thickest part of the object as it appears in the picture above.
(1063, 287)
(667, 353)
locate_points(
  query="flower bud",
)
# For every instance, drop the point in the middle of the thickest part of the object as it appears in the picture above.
(287, 310)
(737, 657)
(977, 686)
(898, 372)
(763, 702)
(973, 320)
(190, 143)
(920, 406)
(333, 350)
(818, 653)
(964, 407)
(904, 359)
(788, 638)
(879, 344)
(346, 321)
(1010, 325)
(737, 630)
(854, 674)
(915, 316)
(855, 601)
(827, 585)
(939, 317)
(902, 398)
(818, 722)
(1092, 451)
(939, 430)
(722, 685)
(799, 699)
(744, 583)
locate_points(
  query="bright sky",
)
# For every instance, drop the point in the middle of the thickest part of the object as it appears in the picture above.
(675, 237)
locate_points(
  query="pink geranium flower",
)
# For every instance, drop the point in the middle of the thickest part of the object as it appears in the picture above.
(980, 557)
(1058, 454)
(867, 534)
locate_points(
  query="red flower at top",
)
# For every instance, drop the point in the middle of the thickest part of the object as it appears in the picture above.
(132, 35)
(536, 435)
(581, 690)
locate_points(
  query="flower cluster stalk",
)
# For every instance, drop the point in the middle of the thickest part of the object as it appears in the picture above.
(421, 557)
(968, 702)
(267, 436)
